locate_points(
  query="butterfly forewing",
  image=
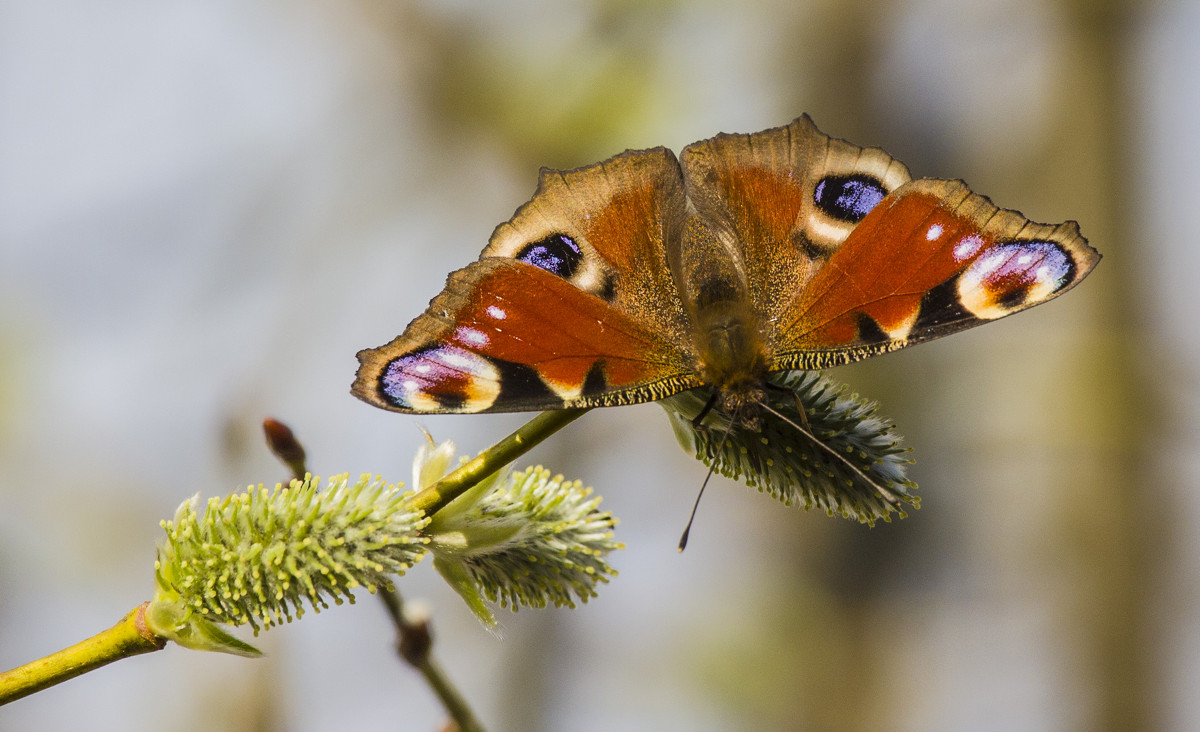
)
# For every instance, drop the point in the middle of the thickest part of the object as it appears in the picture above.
(930, 259)
(570, 305)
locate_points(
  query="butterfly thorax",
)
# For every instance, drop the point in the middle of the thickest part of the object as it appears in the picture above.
(726, 331)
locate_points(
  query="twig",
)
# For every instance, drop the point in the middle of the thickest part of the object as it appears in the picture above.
(129, 637)
(436, 496)
(414, 642)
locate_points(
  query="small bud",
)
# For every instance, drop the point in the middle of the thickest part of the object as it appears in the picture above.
(286, 447)
(526, 538)
(415, 641)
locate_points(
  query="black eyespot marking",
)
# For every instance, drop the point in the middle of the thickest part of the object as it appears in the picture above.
(557, 254)
(519, 382)
(595, 381)
(869, 331)
(939, 307)
(1015, 297)
(449, 401)
(848, 197)
(608, 291)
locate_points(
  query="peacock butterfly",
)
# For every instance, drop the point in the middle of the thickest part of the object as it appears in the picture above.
(646, 275)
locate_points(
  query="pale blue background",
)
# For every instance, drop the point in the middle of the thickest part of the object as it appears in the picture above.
(207, 207)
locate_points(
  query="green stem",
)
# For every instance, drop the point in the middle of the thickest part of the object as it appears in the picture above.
(129, 637)
(456, 705)
(415, 646)
(436, 496)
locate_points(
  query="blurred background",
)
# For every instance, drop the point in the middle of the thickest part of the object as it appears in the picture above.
(206, 209)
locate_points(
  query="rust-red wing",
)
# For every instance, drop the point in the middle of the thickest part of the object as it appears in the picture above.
(509, 336)
(592, 294)
(618, 216)
(931, 259)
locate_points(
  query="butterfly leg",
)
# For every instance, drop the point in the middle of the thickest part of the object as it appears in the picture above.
(800, 409)
(708, 407)
(796, 400)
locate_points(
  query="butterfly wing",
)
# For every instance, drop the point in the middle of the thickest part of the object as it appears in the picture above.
(570, 305)
(931, 259)
(575, 303)
(847, 257)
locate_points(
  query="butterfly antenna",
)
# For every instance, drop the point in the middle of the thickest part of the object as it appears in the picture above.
(683, 540)
(887, 495)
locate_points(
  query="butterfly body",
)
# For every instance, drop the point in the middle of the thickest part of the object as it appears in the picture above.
(647, 275)
(727, 333)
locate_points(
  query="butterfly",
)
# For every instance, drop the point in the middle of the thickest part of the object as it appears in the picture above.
(647, 275)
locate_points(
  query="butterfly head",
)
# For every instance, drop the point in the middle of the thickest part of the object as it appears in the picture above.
(745, 403)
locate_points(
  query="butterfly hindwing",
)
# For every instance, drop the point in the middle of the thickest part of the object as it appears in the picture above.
(619, 215)
(568, 306)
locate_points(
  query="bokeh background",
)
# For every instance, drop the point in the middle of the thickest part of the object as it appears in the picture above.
(207, 207)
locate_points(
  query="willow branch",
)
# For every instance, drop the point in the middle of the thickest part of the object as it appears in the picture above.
(436, 496)
(414, 643)
(129, 637)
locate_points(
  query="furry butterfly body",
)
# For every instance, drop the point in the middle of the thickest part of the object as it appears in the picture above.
(647, 275)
